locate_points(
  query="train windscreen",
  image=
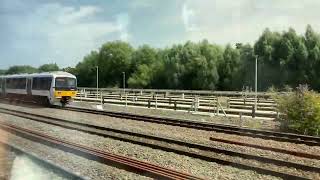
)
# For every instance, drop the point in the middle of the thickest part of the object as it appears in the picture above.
(65, 83)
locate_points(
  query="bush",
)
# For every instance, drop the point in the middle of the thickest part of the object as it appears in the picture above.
(300, 111)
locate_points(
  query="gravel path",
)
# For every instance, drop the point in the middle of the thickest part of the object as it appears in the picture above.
(167, 159)
(249, 122)
(84, 167)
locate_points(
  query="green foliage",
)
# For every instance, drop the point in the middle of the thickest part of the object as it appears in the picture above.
(86, 70)
(283, 59)
(2, 71)
(48, 68)
(69, 70)
(229, 67)
(141, 78)
(21, 69)
(114, 58)
(302, 111)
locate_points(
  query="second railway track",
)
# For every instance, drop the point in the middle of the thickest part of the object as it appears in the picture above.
(153, 141)
(229, 129)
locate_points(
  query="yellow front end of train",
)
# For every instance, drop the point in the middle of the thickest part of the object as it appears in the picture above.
(63, 94)
(65, 89)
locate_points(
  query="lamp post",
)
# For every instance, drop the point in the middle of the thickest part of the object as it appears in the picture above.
(124, 86)
(256, 83)
(97, 81)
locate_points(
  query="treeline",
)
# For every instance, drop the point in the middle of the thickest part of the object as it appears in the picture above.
(29, 69)
(284, 59)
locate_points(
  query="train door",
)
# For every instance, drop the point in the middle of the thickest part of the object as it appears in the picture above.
(29, 86)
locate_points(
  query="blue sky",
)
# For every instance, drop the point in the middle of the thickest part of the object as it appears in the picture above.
(34, 32)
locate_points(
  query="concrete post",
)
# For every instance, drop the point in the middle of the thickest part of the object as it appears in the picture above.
(156, 101)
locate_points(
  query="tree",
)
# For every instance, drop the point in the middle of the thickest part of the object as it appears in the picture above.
(2, 71)
(114, 58)
(143, 55)
(284, 59)
(86, 70)
(142, 64)
(246, 73)
(21, 69)
(228, 68)
(70, 70)
(48, 67)
(268, 59)
(312, 43)
(141, 78)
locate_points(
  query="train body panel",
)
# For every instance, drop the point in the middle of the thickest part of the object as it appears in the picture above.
(55, 88)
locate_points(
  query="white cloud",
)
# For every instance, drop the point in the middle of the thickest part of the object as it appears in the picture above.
(66, 32)
(229, 21)
(140, 4)
(187, 15)
(123, 23)
(71, 15)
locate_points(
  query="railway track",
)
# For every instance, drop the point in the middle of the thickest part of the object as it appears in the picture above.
(139, 167)
(229, 129)
(172, 145)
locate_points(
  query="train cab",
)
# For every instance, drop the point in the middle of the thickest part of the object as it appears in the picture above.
(64, 88)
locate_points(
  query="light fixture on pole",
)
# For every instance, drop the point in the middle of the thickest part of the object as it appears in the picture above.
(256, 84)
(97, 81)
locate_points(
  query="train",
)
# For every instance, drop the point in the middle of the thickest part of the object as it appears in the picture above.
(48, 88)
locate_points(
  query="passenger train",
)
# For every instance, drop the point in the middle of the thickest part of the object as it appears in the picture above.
(50, 88)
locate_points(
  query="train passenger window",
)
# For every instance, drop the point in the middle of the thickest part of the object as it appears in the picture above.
(35, 83)
(16, 83)
(21, 83)
(9, 83)
(41, 83)
(45, 83)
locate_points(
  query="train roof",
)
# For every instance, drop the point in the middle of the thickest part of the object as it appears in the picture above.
(43, 74)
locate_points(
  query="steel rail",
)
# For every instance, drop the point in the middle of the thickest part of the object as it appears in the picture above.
(229, 129)
(127, 163)
(284, 151)
(69, 124)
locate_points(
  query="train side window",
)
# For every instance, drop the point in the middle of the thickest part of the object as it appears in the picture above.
(35, 83)
(13, 83)
(45, 83)
(22, 83)
(41, 83)
(9, 83)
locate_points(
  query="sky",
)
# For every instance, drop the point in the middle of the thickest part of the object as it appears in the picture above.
(35, 32)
